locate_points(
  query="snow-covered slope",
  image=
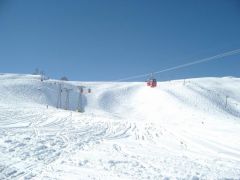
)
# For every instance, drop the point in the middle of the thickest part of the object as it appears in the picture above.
(181, 129)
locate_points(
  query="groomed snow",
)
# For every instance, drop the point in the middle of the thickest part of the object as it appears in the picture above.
(179, 130)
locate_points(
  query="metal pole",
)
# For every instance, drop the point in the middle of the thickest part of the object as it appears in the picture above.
(59, 98)
(67, 98)
(80, 105)
(226, 103)
(60, 93)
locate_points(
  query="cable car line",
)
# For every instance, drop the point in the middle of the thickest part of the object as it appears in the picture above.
(218, 56)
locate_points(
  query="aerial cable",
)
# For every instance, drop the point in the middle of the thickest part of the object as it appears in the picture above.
(229, 53)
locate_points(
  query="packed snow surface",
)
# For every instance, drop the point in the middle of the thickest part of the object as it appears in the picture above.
(183, 129)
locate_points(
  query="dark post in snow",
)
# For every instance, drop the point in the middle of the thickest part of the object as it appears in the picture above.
(226, 102)
(67, 98)
(59, 99)
(80, 104)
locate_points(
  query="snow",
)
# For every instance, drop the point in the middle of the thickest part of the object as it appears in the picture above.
(179, 130)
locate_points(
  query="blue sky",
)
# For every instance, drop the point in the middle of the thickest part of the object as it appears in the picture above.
(97, 40)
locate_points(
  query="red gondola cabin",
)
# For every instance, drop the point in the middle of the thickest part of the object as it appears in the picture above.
(152, 83)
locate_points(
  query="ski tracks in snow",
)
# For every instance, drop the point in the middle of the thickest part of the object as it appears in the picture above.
(135, 133)
(50, 136)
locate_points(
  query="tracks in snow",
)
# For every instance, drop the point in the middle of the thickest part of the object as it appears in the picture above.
(35, 139)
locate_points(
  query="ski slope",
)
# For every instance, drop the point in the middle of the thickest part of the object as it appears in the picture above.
(179, 130)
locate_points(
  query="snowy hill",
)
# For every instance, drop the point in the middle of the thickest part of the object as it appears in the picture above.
(181, 129)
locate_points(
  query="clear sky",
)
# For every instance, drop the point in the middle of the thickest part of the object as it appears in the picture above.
(96, 40)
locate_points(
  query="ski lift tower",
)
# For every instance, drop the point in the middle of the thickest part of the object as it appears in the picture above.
(59, 98)
(67, 98)
(82, 90)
